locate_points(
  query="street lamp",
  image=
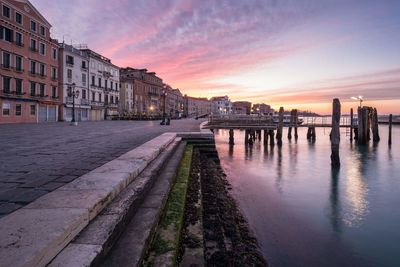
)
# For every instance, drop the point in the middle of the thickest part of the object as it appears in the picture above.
(164, 108)
(359, 98)
(74, 94)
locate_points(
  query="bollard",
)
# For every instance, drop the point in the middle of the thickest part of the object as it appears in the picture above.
(390, 129)
(335, 133)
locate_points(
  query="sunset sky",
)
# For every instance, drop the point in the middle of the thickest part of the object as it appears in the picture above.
(291, 53)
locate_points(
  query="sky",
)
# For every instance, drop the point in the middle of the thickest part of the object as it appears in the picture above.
(296, 54)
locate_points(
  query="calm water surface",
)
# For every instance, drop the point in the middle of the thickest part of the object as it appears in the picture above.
(305, 214)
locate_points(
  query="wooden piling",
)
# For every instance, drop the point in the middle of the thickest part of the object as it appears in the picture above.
(251, 135)
(335, 133)
(296, 121)
(259, 135)
(231, 137)
(291, 124)
(390, 129)
(280, 127)
(375, 126)
(265, 137)
(271, 137)
(351, 124)
(246, 137)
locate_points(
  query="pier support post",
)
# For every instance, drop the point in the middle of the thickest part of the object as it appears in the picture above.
(296, 121)
(335, 133)
(246, 137)
(265, 137)
(390, 129)
(271, 137)
(291, 123)
(259, 135)
(251, 137)
(280, 127)
(375, 126)
(231, 138)
(351, 124)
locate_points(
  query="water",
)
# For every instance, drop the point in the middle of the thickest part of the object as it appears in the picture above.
(305, 214)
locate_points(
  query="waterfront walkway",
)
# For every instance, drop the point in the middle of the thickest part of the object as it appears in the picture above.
(36, 159)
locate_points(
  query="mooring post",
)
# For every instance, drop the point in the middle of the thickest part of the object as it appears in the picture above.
(296, 120)
(246, 137)
(369, 116)
(280, 127)
(361, 132)
(251, 140)
(309, 133)
(375, 125)
(289, 135)
(231, 138)
(271, 137)
(313, 134)
(335, 133)
(351, 124)
(390, 129)
(265, 137)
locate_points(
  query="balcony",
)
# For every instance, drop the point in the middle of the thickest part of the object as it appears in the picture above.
(18, 69)
(113, 105)
(97, 104)
(6, 91)
(42, 75)
(153, 94)
(34, 49)
(32, 73)
(54, 78)
(6, 66)
(20, 44)
(85, 101)
(70, 63)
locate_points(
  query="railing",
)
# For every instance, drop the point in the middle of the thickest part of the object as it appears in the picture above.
(97, 104)
(85, 101)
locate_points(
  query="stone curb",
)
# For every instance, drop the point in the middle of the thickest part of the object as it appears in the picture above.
(95, 241)
(35, 234)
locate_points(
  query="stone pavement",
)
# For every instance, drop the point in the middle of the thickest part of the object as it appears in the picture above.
(36, 159)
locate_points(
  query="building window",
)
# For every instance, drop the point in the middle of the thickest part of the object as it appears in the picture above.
(41, 88)
(83, 94)
(83, 64)
(53, 73)
(83, 78)
(18, 109)
(6, 11)
(93, 78)
(6, 84)
(33, 88)
(18, 17)
(54, 92)
(42, 30)
(99, 82)
(106, 99)
(33, 45)
(42, 70)
(111, 99)
(18, 86)
(69, 91)
(111, 85)
(6, 34)
(105, 84)
(42, 49)
(70, 60)
(69, 74)
(6, 60)
(99, 97)
(93, 96)
(116, 100)
(33, 67)
(33, 25)
(18, 38)
(54, 54)
(33, 110)
(6, 109)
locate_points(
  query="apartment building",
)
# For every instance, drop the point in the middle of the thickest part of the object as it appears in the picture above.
(29, 65)
(73, 77)
(241, 107)
(262, 109)
(126, 105)
(147, 91)
(104, 86)
(174, 102)
(196, 106)
(221, 105)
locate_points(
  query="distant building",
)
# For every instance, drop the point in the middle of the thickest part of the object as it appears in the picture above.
(104, 86)
(126, 104)
(196, 106)
(241, 107)
(174, 102)
(221, 105)
(147, 90)
(29, 65)
(73, 75)
(262, 109)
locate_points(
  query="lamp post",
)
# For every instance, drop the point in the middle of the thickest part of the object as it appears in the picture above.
(74, 94)
(359, 98)
(165, 100)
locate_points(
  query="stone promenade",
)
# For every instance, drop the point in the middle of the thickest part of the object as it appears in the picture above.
(36, 159)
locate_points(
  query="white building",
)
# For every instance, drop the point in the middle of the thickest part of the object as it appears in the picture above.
(104, 86)
(221, 105)
(73, 73)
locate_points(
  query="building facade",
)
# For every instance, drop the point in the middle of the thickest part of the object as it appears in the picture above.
(103, 86)
(262, 109)
(196, 106)
(29, 65)
(221, 105)
(147, 91)
(73, 76)
(174, 102)
(241, 107)
(126, 106)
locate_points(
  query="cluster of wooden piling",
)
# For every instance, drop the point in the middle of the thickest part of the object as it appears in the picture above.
(367, 124)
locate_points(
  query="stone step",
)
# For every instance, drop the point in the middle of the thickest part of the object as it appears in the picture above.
(95, 241)
(35, 234)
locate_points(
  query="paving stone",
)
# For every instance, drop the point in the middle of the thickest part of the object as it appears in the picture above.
(32, 237)
(29, 195)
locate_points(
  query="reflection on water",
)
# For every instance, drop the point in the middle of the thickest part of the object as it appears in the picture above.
(306, 214)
